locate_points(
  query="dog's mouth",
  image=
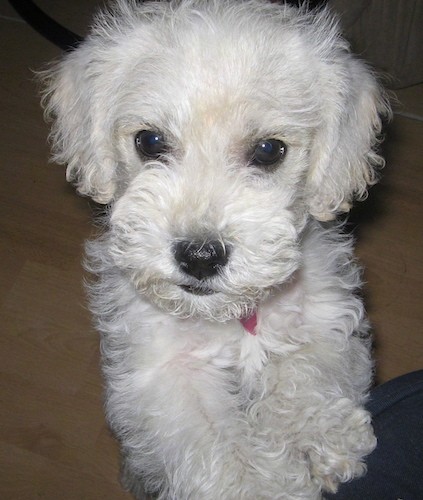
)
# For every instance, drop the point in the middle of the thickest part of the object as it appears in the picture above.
(197, 290)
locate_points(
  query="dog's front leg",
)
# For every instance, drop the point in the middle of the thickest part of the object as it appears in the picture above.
(315, 407)
(181, 429)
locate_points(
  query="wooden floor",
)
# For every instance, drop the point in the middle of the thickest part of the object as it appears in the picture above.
(53, 440)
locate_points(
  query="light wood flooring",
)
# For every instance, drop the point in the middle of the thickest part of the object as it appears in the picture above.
(54, 443)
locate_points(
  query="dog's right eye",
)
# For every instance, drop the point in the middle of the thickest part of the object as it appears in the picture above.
(150, 143)
(268, 152)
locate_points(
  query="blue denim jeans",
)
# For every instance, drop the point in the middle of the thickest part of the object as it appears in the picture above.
(395, 468)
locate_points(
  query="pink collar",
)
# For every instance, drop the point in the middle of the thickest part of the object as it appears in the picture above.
(250, 323)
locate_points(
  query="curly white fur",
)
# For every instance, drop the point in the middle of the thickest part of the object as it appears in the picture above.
(202, 408)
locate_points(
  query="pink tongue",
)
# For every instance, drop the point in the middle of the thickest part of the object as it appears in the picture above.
(250, 323)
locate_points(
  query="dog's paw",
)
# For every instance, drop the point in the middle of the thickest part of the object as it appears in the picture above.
(346, 438)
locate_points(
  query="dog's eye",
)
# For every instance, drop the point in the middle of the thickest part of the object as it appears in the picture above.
(268, 152)
(150, 143)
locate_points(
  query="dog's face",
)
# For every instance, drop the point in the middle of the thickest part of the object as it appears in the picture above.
(214, 129)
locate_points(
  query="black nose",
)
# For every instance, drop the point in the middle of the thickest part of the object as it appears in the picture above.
(201, 260)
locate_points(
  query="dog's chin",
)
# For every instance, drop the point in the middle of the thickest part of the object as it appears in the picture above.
(200, 301)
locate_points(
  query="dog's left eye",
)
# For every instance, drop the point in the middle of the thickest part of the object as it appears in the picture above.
(267, 152)
(150, 143)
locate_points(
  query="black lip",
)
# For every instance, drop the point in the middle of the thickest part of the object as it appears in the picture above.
(194, 290)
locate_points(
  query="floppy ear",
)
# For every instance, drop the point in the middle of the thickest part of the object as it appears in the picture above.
(75, 100)
(343, 156)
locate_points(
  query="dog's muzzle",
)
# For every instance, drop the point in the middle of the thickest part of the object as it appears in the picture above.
(200, 260)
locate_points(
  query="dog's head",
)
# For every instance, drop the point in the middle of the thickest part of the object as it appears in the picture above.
(214, 129)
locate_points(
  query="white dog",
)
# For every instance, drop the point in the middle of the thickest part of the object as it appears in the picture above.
(235, 348)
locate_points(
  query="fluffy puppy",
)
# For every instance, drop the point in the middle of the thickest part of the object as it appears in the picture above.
(235, 348)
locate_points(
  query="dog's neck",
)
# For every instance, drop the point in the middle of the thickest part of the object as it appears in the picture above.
(250, 323)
